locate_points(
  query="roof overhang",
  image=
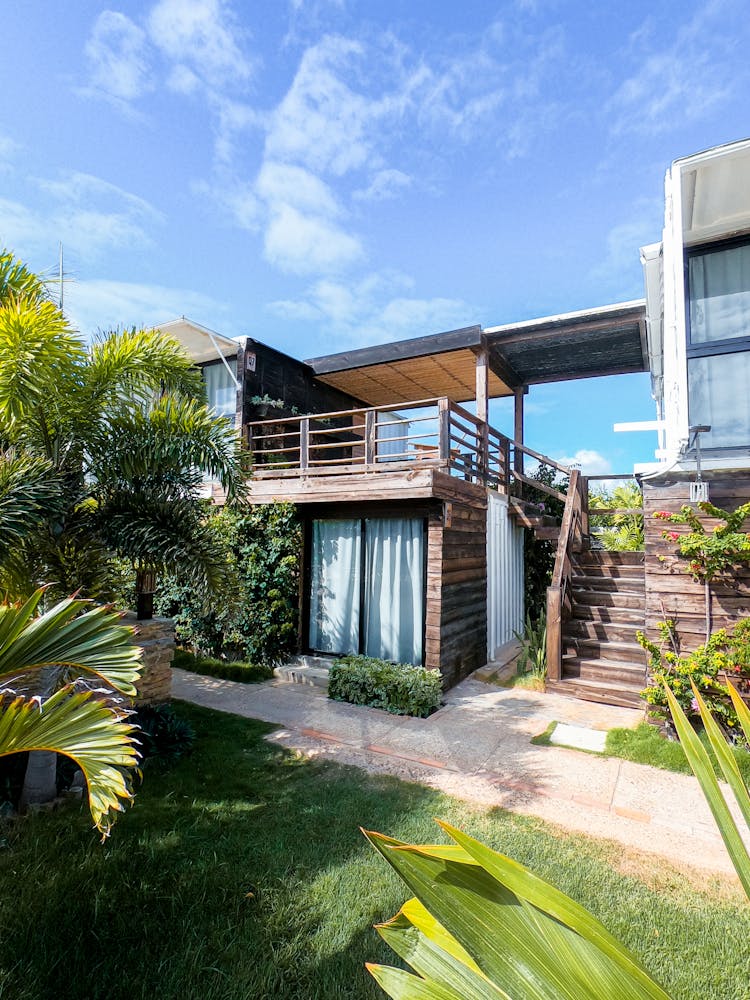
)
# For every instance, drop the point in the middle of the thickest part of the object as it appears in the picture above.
(715, 186)
(610, 340)
(201, 343)
(443, 364)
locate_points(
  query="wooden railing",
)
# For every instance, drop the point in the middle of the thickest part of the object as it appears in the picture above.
(573, 531)
(427, 433)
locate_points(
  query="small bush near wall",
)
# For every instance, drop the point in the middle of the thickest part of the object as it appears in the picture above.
(256, 619)
(245, 673)
(396, 687)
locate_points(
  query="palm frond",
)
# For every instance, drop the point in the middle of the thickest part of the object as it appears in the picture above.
(83, 640)
(80, 726)
(30, 492)
(140, 363)
(18, 282)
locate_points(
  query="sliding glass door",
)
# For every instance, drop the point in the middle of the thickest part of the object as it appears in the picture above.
(367, 587)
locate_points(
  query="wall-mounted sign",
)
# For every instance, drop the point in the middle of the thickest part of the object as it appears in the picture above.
(249, 361)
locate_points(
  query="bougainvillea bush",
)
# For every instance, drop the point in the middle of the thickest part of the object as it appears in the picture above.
(710, 554)
(726, 656)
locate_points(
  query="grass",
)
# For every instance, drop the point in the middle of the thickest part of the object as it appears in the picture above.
(646, 745)
(241, 873)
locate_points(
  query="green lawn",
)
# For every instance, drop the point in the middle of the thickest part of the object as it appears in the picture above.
(646, 745)
(241, 874)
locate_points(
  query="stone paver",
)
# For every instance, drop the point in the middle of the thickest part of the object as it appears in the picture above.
(478, 748)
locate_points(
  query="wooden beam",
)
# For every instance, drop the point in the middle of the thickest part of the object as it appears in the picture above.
(482, 393)
(518, 429)
(502, 368)
(418, 347)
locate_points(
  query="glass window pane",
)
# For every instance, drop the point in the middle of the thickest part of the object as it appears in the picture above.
(335, 581)
(220, 388)
(394, 588)
(719, 284)
(719, 389)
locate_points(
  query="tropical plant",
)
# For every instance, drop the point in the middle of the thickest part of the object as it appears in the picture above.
(539, 553)
(60, 675)
(712, 554)
(482, 926)
(725, 656)
(533, 656)
(622, 531)
(124, 429)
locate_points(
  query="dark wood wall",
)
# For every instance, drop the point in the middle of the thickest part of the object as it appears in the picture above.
(670, 592)
(456, 616)
(280, 377)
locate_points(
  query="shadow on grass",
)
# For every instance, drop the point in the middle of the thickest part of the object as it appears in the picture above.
(242, 873)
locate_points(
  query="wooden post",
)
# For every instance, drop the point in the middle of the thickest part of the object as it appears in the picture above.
(554, 633)
(370, 442)
(518, 428)
(304, 443)
(482, 405)
(444, 429)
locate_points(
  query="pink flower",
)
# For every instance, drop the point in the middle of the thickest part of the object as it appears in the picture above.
(674, 536)
(694, 705)
(663, 515)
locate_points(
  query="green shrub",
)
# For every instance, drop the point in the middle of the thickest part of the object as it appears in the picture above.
(396, 687)
(163, 736)
(726, 655)
(258, 617)
(238, 670)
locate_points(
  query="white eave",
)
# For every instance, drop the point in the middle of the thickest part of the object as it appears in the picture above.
(715, 188)
(201, 343)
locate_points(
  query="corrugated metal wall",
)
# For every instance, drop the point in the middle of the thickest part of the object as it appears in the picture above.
(504, 574)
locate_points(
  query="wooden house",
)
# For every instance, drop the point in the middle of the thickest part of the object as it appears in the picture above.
(409, 498)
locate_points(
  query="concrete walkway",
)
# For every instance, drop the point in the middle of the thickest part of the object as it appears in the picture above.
(478, 748)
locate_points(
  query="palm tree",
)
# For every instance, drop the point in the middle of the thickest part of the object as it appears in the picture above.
(103, 453)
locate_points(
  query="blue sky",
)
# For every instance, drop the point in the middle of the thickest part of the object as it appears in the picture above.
(325, 175)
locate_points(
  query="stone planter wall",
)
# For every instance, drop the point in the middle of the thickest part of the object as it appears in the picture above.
(155, 636)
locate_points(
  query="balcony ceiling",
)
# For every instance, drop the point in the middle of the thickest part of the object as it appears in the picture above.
(605, 341)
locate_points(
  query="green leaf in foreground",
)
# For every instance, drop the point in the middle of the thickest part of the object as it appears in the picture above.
(483, 926)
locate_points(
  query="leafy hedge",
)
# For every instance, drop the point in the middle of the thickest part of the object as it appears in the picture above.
(397, 687)
(245, 673)
(257, 617)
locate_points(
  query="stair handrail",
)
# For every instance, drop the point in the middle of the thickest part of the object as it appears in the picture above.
(572, 530)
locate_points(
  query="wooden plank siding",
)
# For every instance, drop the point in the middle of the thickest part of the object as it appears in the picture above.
(670, 592)
(456, 598)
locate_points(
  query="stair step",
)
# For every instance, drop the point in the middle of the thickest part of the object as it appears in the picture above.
(622, 652)
(604, 557)
(602, 631)
(608, 599)
(604, 694)
(616, 571)
(609, 614)
(628, 585)
(606, 670)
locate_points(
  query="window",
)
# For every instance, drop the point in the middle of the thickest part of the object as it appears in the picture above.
(220, 387)
(718, 344)
(367, 587)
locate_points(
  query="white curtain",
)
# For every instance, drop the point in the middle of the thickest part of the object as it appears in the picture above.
(719, 295)
(335, 585)
(718, 390)
(394, 597)
(220, 389)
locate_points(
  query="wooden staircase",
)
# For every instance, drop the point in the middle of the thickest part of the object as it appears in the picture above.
(601, 658)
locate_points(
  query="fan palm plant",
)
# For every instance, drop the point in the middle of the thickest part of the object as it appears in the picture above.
(60, 675)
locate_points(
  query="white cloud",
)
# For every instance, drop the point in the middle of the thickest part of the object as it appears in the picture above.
(368, 312)
(117, 54)
(106, 305)
(89, 215)
(285, 184)
(682, 81)
(384, 185)
(590, 462)
(304, 244)
(618, 274)
(202, 35)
